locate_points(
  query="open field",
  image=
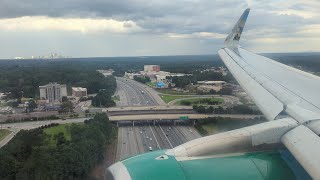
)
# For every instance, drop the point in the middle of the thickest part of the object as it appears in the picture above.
(219, 125)
(169, 91)
(4, 133)
(57, 129)
(168, 98)
(199, 101)
(116, 98)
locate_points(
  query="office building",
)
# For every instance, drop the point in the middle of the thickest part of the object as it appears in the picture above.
(53, 92)
(79, 92)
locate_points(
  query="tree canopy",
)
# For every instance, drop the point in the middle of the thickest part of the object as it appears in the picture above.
(34, 154)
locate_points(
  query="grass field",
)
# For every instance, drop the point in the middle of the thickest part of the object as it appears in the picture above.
(116, 98)
(169, 91)
(227, 124)
(168, 98)
(57, 129)
(4, 133)
(196, 101)
(151, 84)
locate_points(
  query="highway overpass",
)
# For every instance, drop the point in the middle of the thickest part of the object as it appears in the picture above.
(135, 110)
(174, 117)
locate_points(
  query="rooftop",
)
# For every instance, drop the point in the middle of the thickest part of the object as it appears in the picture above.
(79, 89)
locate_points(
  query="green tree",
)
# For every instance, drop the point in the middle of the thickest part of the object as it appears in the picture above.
(31, 106)
(67, 106)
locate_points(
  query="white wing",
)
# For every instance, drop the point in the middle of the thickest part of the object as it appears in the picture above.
(279, 89)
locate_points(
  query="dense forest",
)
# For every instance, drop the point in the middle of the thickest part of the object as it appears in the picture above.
(237, 109)
(24, 78)
(142, 79)
(183, 81)
(33, 154)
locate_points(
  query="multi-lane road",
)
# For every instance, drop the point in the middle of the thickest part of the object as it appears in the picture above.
(143, 137)
(133, 140)
(132, 93)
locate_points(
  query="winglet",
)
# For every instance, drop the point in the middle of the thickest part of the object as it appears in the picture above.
(233, 38)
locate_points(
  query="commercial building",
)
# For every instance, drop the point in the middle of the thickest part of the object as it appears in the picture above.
(149, 68)
(107, 72)
(79, 92)
(53, 92)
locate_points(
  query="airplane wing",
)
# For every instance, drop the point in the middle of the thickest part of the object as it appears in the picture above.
(288, 98)
(279, 91)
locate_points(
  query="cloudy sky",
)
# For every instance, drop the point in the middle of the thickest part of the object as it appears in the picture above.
(95, 28)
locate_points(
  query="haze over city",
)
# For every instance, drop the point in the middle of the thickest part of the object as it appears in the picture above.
(140, 27)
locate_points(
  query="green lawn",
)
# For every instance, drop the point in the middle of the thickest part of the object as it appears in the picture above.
(228, 124)
(116, 98)
(4, 133)
(168, 98)
(197, 101)
(57, 129)
(169, 91)
(151, 84)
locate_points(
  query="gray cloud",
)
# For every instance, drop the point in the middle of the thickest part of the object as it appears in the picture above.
(268, 18)
(163, 16)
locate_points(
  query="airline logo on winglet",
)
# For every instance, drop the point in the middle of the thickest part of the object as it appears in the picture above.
(234, 37)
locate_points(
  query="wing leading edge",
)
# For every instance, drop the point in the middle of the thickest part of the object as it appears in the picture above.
(279, 89)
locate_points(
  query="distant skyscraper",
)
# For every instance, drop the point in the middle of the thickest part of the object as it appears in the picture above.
(53, 92)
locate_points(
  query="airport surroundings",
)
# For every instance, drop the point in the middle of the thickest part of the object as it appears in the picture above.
(129, 105)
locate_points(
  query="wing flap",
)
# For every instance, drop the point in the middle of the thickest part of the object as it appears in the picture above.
(304, 144)
(268, 104)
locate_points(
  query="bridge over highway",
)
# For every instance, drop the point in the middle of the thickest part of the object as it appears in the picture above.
(115, 111)
(174, 117)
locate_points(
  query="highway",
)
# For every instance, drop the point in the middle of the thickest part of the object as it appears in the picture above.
(16, 127)
(9, 137)
(35, 124)
(134, 140)
(133, 93)
(144, 117)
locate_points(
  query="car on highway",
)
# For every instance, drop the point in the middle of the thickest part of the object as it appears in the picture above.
(150, 148)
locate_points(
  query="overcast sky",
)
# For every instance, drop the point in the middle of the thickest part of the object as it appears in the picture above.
(96, 28)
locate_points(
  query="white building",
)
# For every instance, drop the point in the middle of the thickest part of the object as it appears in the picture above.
(79, 92)
(53, 92)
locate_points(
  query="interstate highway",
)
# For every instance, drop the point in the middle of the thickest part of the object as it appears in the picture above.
(133, 93)
(134, 140)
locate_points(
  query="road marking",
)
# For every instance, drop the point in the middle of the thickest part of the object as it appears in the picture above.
(165, 136)
(154, 136)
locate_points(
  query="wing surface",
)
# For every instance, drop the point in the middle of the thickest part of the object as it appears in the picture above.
(278, 89)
